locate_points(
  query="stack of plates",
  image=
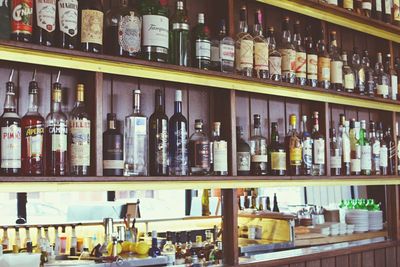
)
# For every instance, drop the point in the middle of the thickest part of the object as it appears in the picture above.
(375, 220)
(359, 218)
(342, 228)
(335, 229)
(350, 229)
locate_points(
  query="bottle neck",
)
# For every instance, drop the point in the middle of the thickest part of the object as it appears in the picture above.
(9, 103)
(258, 31)
(257, 130)
(112, 124)
(275, 136)
(136, 104)
(178, 106)
(316, 125)
(286, 36)
(243, 26)
(303, 127)
(33, 103)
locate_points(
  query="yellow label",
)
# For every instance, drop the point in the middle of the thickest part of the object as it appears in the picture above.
(324, 69)
(92, 26)
(396, 10)
(349, 81)
(295, 156)
(348, 4)
(261, 56)
(288, 60)
(301, 64)
(246, 54)
(337, 72)
(278, 161)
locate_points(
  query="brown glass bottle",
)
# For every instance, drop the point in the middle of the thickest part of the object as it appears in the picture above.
(294, 147)
(324, 63)
(68, 23)
(21, 19)
(91, 19)
(277, 153)
(45, 22)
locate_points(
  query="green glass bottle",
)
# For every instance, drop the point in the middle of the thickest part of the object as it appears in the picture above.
(179, 36)
(201, 45)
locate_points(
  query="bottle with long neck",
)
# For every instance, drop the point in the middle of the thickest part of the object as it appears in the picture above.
(258, 149)
(324, 62)
(244, 46)
(202, 44)
(180, 36)
(261, 53)
(307, 154)
(45, 23)
(294, 147)
(376, 149)
(32, 125)
(369, 75)
(391, 151)
(359, 72)
(10, 124)
(366, 152)
(274, 59)
(277, 153)
(318, 168)
(355, 147)
(335, 160)
(348, 75)
(226, 50)
(312, 60)
(288, 53)
(393, 78)
(243, 153)
(383, 79)
(383, 155)
(68, 21)
(336, 65)
(301, 56)
(346, 148)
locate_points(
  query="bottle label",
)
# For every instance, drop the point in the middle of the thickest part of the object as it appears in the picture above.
(355, 165)
(312, 67)
(295, 156)
(383, 156)
(278, 161)
(361, 75)
(366, 157)
(203, 49)
(34, 140)
(161, 143)
(68, 16)
(58, 135)
(301, 65)
(288, 60)
(396, 10)
(319, 151)
(179, 150)
(246, 54)
(80, 142)
(382, 89)
(376, 148)
(394, 86)
(275, 65)
(366, 5)
(201, 154)
(333, 2)
(92, 26)
(11, 147)
(110, 164)
(346, 150)
(215, 57)
(259, 158)
(129, 33)
(227, 52)
(349, 81)
(348, 4)
(337, 72)
(243, 161)
(261, 56)
(307, 152)
(336, 161)
(220, 156)
(22, 13)
(155, 31)
(378, 5)
(46, 14)
(180, 26)
(237, 59)
(324, 69)
(388, 7)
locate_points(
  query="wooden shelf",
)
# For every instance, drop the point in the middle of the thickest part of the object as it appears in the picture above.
(339, 16)
(61, 58)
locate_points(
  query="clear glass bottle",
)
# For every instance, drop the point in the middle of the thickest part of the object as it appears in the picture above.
(274, 59)
(318, 168)
(346, 148)
(259, 150)
(219, 152)
(199, 151)
(243, 156)
(336, 64)
(301, 56)
(393, 78)
(226, 50)
(312, 59)
(359, 72)
(260, 48)
(366, 151)
(135, 132)
(244, 46)
(288, 53)
(383, 155)
(294, 147)
(376, 149)
(179, 36)
(324, 62)
(307, 154)
(335, 157)
(169, 250)
(79, 135)
(348, 75)
(277, 153)
(369, 75)
(355, 162)
(383, 79)
(202, 44)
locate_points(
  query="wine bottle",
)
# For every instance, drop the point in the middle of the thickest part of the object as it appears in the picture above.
(202, 45)
(294, 147)
(258, 149)
(180, 36)
(113, 161)
(45, 22)
(92, 17)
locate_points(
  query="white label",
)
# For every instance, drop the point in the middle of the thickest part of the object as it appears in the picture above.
(227, 52)
(220, 156)
(113, 164)
(366, 5)
(259, 158)
(129, 33)
(312, 67)
(288, 60)
(378, 5)
(46, 14)
(337, 72)
(366, 157)
(307, 152)
(80, 142)
(215, 53)
(203, 49)
(275, 65)
(355, 165)
(346, 149)
(383, 156)
(336, 162)
(301, 65)
(243, 161)
(58, 137)
(388, 7)
(68, 16)
(155, 31)
(246, 54)
(11, 147)
(376, 147)
(349, 81)
(382, 89)
(261, 56)
(333, 2)
(394, 87)
(319, 151)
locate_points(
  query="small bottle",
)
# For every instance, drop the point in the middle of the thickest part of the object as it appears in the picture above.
(274, 59)
(301, 56)
(199, 151)
(202, 45)
(154, 250)
(260, 48)
(5, 242)
(258, 149)
(277, 153)
(288, 53)
(169, 250)
(243, 156)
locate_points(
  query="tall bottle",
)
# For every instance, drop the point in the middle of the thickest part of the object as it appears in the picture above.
(301, 56)
(335, 160)
(135, 152)
(123, 31)
(260, 48)
(277, 153)
(348, 75)
(258, 148)
(376, 149)
(202, 45)
(391, 151)
(288, 53)
(155, 42)
(336, 65)
(113, 153)
(10, 130)
(383, 155)
(366, 151)
(199, 151)
(56, 135)
(346, 149)
(324, 63)
(158, 138)
(367, 8)
(243, 156)
(244, 46)
(180, 42)
(355, 147)
(21, 20)
(369, 75)
(318, 168)
(45, 23)
(398, 146)
(377, 9)
(387, 11)
(178, 139)
(294, 147)
(312, 60)
(32, 125)
(92, 17)
(68, 23)
(219, 152)
(226, 50)
(359, 72)
(274, 59)
(383, 81)
(307, 154)
(393, 78)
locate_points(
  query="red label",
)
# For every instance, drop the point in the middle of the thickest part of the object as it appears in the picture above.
(21, 20)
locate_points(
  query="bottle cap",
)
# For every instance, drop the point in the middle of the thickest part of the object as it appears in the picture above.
(178, 96)
(304, 118)
(179, 5)
(136, 91)
(198, 124)
(154, 234)
(293, 119)
(200, 18)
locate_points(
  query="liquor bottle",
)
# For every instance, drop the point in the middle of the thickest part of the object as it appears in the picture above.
(123, 30)
(215, 63)
(261, 52)
(219, 152)
(383, 155)
(318, 168)
(335, 159)
(383, 79)
(396, 12)
(180, 42)
(369, 75)
(366, 8)
(113, 154)
(178, 139)
(158, 138)
(56, 134)
(377, 9)
(202, 45)
(348, 75)
(21, 19)
(312, 60)
(10, 129)
(398, 146)
(45, 22)
(359, 72)
(277, 153)
(33, 134)
(274, 59)
(155, 38)
(307, 153)
(226, 50)
(294, 147)
(92, 17)
(199, 151)
(275, 208)
(79, 135)
(205, 203)
(169, 250)
(393, 78)
(243, 156)
(358, 6)
(258, 149)
(348, 4)
(288, 53)
(301, 56)
(346, 148)
(391, 151)
(244, 47)
(135, 152)
(366, 151)
(387, 11)
(355, 162)
(5, 27)
(336, 64)
(154, 250)
(68, 23)
(376, 149)
(5, 242)
(324, 63)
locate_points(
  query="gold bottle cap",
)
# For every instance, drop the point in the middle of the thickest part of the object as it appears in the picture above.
(80, 91)
(57, 93)
(293, 119)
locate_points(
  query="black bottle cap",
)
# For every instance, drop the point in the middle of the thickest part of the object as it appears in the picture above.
(257, 120)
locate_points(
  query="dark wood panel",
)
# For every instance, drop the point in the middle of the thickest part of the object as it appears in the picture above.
(342, 261)
(380, 257)
(316, 263)
(298, 265)
(328, 262)
(355, 260)
(368, 259)
(390, 255)
(277, 113)
(230, 226)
